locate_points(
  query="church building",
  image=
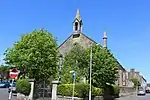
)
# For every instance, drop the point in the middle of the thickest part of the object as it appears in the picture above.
(79, 37)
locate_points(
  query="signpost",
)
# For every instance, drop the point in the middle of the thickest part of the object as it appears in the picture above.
(74, 78)
(13, 74)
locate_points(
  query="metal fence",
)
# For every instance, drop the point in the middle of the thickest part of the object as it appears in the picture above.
(42, 91)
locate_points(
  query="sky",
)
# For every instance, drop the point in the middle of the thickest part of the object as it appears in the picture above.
(126, 21)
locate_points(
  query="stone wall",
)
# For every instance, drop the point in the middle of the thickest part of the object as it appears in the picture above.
(126, 89)
(70, 98)
(83, 40)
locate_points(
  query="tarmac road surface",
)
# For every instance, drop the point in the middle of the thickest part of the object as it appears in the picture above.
(4, 94)
(135, 97)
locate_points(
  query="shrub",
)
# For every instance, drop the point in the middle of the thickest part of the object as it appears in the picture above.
(97, 91)
(116, 89)
(23, 86)
(65, 89)
(111, 90)
(81, 90)
(108, 90)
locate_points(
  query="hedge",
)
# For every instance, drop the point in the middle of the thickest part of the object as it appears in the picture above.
(81, 90)
(23, 86)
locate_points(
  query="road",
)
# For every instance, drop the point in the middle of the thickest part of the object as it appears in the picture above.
(4, 94)
(134, 97)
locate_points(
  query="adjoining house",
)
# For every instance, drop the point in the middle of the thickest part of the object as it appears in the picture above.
(135, 74)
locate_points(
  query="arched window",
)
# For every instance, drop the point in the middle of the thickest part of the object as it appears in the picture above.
(76, 26)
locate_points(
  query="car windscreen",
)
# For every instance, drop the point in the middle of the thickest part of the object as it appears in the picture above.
(140, 88)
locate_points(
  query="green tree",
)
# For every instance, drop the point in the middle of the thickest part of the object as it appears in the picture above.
(75, 61)
(135, 82)
(104, 66)
(4, 72)
(36, 53)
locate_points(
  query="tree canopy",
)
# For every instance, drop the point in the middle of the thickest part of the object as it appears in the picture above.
(74, 61)
(135, 82)
(36, 53)
(104, 65)
(4, 72)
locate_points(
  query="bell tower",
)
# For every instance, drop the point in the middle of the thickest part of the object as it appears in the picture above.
(77, 23)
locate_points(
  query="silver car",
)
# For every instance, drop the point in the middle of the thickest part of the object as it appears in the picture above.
(141, 91)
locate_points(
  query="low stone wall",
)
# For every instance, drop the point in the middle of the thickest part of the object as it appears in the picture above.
(67, 98)
(98, 98)
(70, 98)
(76, 98)
(126, 89)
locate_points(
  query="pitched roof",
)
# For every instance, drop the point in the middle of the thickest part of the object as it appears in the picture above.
(64, 41)
(80, 33)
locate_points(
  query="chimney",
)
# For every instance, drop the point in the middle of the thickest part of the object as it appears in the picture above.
(105, 40)
(132, 73)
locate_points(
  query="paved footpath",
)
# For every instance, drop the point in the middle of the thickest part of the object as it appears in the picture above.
(4, 94)
(135, 97)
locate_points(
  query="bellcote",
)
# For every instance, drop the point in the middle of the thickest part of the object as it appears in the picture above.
(77, 23)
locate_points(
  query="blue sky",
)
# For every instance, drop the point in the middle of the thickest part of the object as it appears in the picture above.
(126, 21)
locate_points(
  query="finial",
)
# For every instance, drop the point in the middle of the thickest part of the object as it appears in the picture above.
(105, 35)
(78, 15)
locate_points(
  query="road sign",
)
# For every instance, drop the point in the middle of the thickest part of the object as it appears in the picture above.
(13, 73)
(74, 75)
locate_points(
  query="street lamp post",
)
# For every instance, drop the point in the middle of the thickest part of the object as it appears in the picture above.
(60, 65)
(90, 91)
(90, 73)
(74, 78)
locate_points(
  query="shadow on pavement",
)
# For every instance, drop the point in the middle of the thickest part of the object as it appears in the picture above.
(109, 97)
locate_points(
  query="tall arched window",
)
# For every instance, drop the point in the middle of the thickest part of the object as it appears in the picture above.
(76, 26)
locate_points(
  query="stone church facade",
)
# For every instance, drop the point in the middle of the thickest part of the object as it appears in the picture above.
(79, 37)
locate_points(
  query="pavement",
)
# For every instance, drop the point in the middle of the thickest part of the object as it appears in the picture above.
(127, 94)
(4, 94)
(135, 97)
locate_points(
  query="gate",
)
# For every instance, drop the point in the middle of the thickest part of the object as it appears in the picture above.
(42, 91)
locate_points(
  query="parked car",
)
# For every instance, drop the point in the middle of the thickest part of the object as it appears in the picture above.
(141, 91)
(4, 84)
(13, 87)
(147, 90)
